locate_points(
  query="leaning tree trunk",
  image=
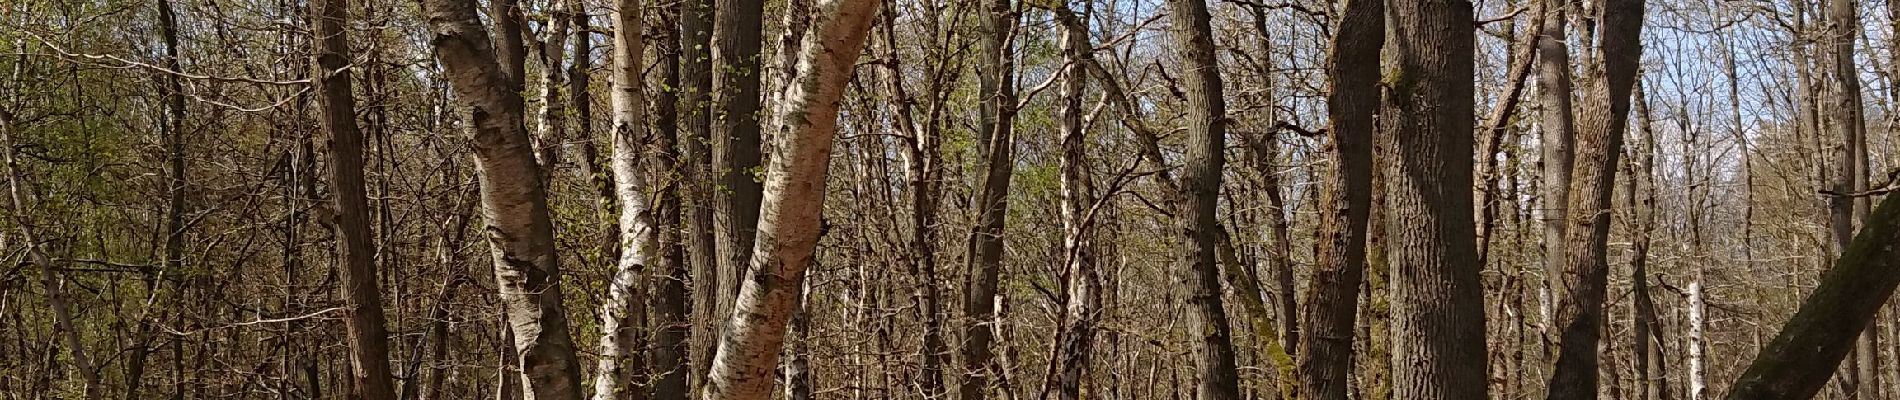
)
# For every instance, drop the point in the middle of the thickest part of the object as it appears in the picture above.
(1332, 306)
(55, 294)
(1438, 343)
(623, 317)
(1851, 173)
(520, 233)
(1206, 127)
(368, 339)
(1812, 344)
(795, 183)
(1587, 270)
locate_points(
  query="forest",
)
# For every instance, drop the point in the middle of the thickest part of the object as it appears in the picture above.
(949, 199)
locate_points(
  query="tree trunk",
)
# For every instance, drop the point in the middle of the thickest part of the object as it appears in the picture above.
(1851, 172)
(996, 141)
(520, 234)
(1332, 304)
(696, 121)
(1586, 273)
(750, 346)
(368, 339)
(1078, 214)
(1553, 81)
(1438, 342)
(736, 38)
(623, 317)
(1206, 128)
(663, 168)
(1812, 344)
(551, 123)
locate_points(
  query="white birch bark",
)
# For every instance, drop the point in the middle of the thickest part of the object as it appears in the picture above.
(622, 316)
(519, 230)
(794, 199)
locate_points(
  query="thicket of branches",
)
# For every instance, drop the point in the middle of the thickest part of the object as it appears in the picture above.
(927, 199)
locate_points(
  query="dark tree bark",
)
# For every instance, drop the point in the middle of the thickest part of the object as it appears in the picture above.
(668, 356)
(1438, 343)
(368, 338)
(996, 141)
(1599, 145)
(1331, 307)
(696, 126)
(737, 35)
(1810, 347)
(1206, 128)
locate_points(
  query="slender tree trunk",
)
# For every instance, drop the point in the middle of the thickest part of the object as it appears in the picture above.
(1206, 126)
(696, 122)
(670, 303)
(1580, 313)
(1438, 344)
(1553, 81)
(1331, 308)
(368, 339)
(49, 279)
(623, 317)
(1652, 382)
(751, 345)
(996, 141)
(520, 233)
(551, 129)
(1850, 172)
(1078, 213)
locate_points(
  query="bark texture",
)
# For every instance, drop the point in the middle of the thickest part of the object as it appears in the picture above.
(1206, 128)
(788, 233)
(737, 35)
(1437, 323)
(514, 201)
(368, 338)
(1332, 305)
(1599, 144)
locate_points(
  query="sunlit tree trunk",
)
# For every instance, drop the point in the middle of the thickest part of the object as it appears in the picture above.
(750, 347)
(520, 233)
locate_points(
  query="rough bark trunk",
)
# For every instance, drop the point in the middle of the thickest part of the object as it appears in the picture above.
(1812, 344)
(1851, 173)
(671, 326)
(737, 35)
(788, 234)
(623, 316)
(1331, 306)
(1206, 128)
(996, 139)
(1438, 343)
(514, 200)
(368, 338)
(1600, 144)
(696, 122)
